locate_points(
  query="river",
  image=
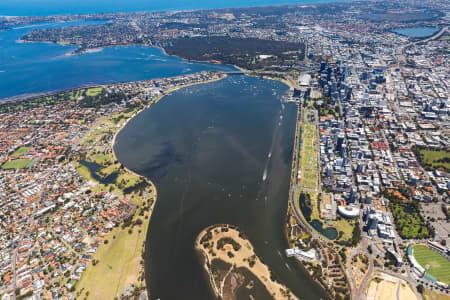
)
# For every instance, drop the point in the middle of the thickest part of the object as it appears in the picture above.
(218, 153)
(416, 32)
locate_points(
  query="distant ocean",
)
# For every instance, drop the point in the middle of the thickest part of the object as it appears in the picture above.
(52, 7)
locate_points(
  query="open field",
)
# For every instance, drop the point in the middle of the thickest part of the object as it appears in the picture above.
(436, 159)
(308, 158)
(16, 164)
(439, 266)
(21, 151)
(117, 259)
(94, 91)
(346, 227)
(84, 171)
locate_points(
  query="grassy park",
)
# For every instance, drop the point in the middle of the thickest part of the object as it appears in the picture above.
(439, 266)
(119, 263)
(21, 151)
(435, 159)
(94, 91)
(309, 183)
(16, 163)
(308, 158)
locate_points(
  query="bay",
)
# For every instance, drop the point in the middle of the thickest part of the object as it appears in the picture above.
(28, 68)
(218, 153)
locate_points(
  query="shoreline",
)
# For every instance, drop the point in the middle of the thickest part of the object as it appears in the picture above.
(228, 245)
(137, 236)
(113, 142)
(26, 96)
(131, 243)
(152, 102)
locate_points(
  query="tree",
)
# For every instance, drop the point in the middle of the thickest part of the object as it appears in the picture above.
(420, 288)
(356, 234)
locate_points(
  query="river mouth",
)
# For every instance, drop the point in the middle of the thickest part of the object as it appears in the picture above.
(218, 153)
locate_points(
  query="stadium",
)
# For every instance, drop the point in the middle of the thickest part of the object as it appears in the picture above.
(430, 263)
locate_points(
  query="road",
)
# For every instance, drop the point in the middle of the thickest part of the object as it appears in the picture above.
(362, 287)
(433, 37)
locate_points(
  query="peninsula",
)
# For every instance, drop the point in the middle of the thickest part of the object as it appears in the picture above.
(232, 264)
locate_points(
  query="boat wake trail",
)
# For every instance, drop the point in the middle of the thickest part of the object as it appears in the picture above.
(274, 138)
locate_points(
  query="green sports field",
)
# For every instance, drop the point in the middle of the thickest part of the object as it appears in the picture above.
(16, 164)
(21, 151)
(439, 266)
(94, 91)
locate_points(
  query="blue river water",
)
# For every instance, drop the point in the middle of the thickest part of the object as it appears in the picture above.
(417, 32)
(28, 68)
(48, 7)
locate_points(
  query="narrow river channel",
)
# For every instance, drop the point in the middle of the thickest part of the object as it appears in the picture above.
(218, 153)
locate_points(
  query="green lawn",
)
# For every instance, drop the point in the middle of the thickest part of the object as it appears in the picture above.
(21, 151)
(314, 206)
(345, 226)
(439, 266)
(101, 159)
(84, 171)
(117, 260)
(94, 91)
(436, 159)
(308, 160)
(16, 164)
